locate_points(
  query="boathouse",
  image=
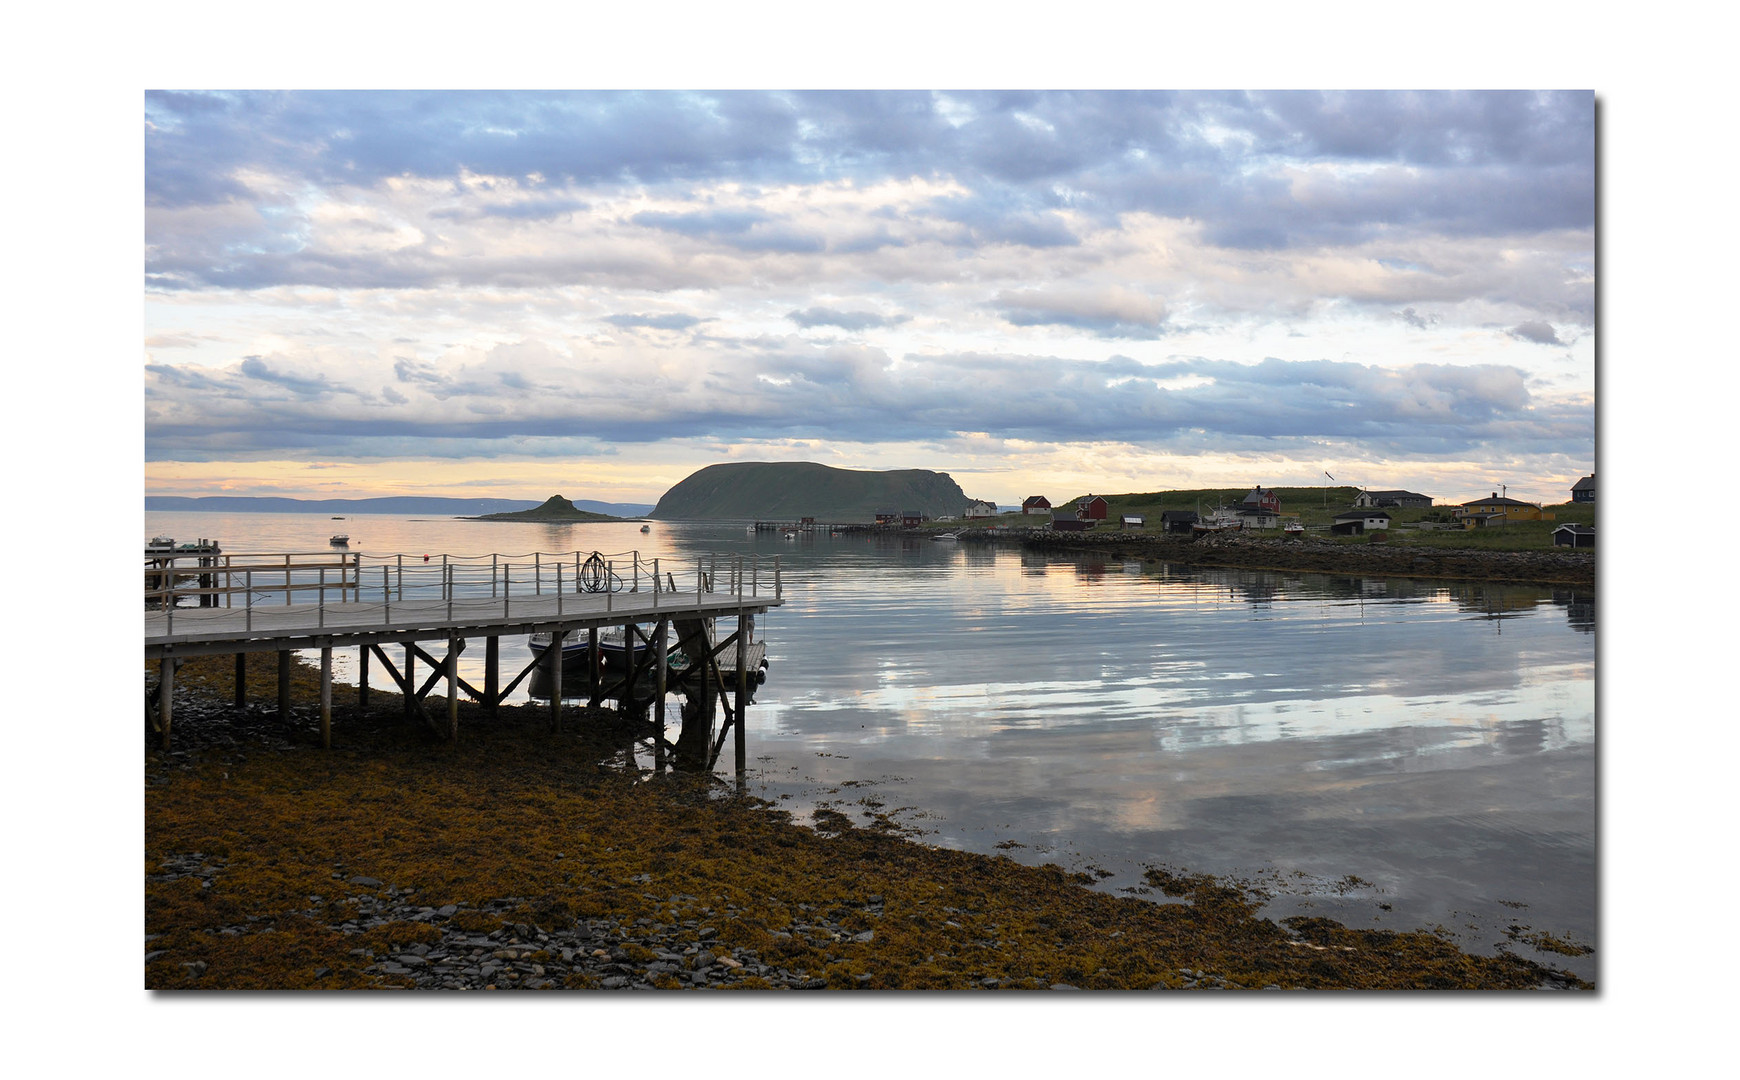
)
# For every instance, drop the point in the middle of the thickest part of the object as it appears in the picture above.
(1177, 521)
(1131, 521)
(1577, 536)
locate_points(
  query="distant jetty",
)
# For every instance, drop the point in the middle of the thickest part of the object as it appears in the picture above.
(555, 510)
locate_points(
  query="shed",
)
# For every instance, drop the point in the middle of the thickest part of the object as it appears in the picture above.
(1358, 520)
(1577, 536)
(1131, 521)
(1177, 521)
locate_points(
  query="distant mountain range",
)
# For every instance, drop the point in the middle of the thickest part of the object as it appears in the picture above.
(394, 504)
(788, 490)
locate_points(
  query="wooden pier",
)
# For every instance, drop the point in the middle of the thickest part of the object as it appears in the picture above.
(278, 602)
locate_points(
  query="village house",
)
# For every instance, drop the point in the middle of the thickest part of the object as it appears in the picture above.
(1261, 499)
(1091, 508)
(979, 508)
(1036, 504)
(887, 517)
(1495, 510)
(1358, 520)
(1258, 517)
(1571, 535)
(1068, 521)
(1404, 500)
(910, 519)
(1584, 490)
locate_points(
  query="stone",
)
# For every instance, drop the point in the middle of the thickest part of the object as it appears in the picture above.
(864, 936)
(366, 882)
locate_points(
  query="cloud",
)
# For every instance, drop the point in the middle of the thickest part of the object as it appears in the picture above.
(846, 320)
(1415, 319)
(673, 321)
(1108, 313)
(1538, 332)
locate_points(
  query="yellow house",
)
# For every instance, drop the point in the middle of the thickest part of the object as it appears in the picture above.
(1494, 510)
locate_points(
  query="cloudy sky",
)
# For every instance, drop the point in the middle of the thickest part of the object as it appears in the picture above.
(351, 294)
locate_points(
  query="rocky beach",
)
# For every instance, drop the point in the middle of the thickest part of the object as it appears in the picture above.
(523, 859)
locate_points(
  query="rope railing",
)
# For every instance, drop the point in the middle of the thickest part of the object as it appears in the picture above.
(252, 580)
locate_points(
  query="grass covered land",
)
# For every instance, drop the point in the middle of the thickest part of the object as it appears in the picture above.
(264, 857)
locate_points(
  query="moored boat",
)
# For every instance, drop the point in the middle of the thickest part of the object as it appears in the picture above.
(341, 540)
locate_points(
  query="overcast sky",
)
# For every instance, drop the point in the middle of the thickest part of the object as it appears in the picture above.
(351, 294)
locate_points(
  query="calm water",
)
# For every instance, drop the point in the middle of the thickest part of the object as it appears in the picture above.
(1434, 740)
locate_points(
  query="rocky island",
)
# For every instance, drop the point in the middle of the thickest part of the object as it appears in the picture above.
(554, 510)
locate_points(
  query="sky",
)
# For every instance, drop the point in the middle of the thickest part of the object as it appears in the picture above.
(512, 294)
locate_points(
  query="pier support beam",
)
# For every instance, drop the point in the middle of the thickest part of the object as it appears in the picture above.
(593, 682)
(453, 687)
(165, 697)
(492, 672)
(659, 702)
(628, 652)
(326, 697)
(410, 678)
(554, 652)
(362, 678)
(284, 687)
(739, 740)
(241, 695)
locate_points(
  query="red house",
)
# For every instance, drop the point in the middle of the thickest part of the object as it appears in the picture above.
(1091, 508)
(1036, 504)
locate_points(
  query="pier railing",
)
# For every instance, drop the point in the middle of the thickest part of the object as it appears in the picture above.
(317, 579)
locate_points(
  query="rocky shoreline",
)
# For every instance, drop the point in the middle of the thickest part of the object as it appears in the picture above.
(1312, 555)
(524, 859)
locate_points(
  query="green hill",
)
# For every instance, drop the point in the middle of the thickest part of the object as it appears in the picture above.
(788, 490)
(554, 509)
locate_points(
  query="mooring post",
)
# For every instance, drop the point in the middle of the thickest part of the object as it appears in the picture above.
(165, 697)
(453, 687)
(492, 671)
(241, 697)
(659, 702)
(326, 697)
(284, 687)
(362, 677)
(557, 636)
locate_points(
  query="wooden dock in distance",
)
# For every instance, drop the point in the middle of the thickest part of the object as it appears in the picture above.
(443, 606)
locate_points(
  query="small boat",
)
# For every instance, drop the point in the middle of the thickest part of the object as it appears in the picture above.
(574, 646)
(337, 518)
(341, 540)
(945, 536)
(159, 545)
(1293, 528)
(646, 528)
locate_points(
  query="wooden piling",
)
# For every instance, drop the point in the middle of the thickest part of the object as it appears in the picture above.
(410, 678)
(362, 678)
(739, 739)
(453, 687)
(326, 697)
(284, 687)
(555, 655)
(165, 697)
(659, 702)
(492, 670)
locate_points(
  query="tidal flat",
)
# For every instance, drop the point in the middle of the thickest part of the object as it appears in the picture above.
(520, 858)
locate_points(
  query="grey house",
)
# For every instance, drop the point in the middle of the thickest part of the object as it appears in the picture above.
(1584, 490)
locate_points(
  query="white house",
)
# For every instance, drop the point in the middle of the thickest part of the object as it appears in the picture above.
(979, 508)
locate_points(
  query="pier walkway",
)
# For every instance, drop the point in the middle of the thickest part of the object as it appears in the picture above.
(279, 602)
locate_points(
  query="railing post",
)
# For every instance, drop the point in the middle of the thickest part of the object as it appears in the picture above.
(558, 589)
(778, 589)
(609, 576)
(320, 600)
(386, 594)
(286, 580)
(507, 584)
(636, 587)
(401, 576)
(169, 601)
(657, 584)
(447, 572)
(755, 575)
(537, 574)
(492, 573)
(248, 618)
(444, 578)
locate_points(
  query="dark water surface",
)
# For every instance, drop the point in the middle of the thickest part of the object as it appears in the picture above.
(1350, 743)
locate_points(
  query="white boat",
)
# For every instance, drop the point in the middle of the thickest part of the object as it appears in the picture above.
(341, 540)
(1293, 527)
(945, 536)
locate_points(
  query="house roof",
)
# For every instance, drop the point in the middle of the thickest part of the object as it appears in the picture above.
(1178, 515)
(1362, 512)
(1494, 500)
(1584, 484)
(1035, 500)
(1576, 528)
(1085, 499)
(1397, 495)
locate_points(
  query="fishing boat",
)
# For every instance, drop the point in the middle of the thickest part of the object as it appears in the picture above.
(341, 540)
(945, 536)
(1224, 519)
(646, 528)
(1293, 528)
